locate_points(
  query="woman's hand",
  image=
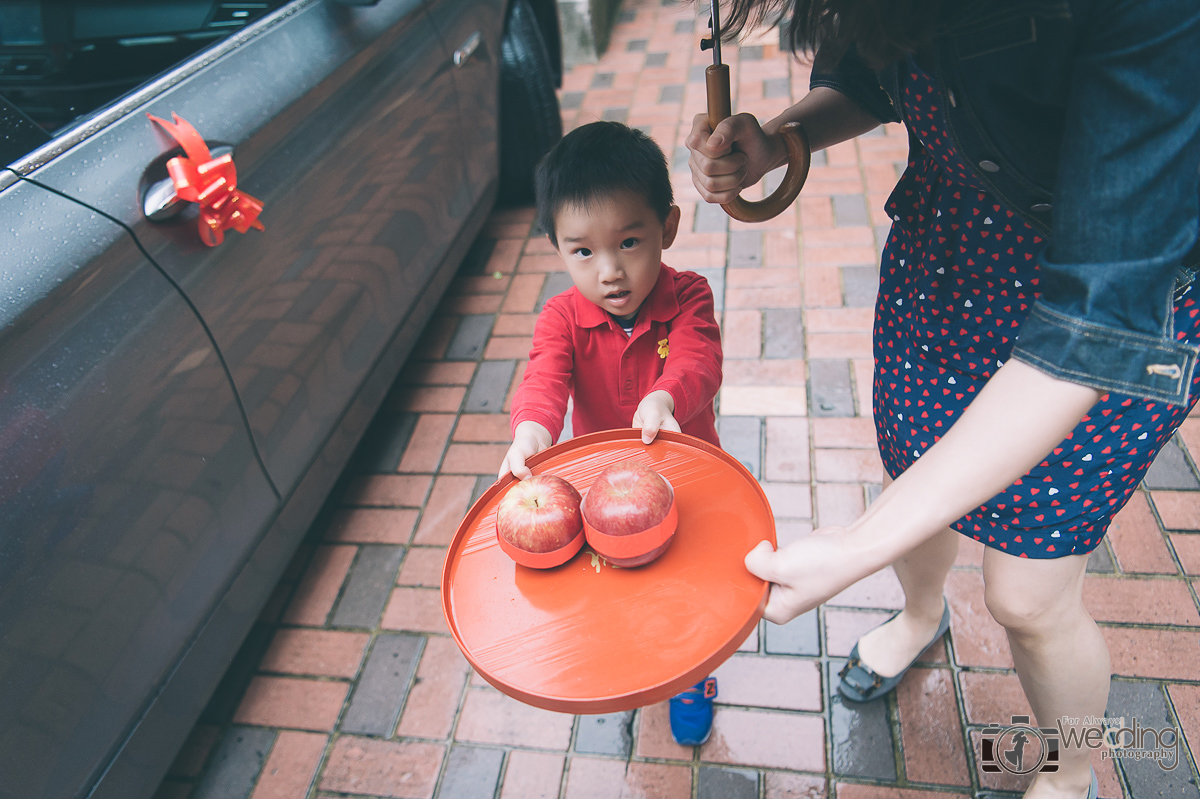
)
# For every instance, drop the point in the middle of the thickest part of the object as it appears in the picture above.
(734, 156)
(805, 573)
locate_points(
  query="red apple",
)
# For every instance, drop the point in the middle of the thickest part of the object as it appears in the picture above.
(540, 515)
(629, 498)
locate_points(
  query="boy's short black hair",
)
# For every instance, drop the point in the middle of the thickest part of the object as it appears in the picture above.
(595, 161)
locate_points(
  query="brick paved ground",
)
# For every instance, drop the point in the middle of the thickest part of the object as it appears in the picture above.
(351, 685)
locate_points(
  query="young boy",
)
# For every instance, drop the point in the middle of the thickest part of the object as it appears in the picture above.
(634, 343)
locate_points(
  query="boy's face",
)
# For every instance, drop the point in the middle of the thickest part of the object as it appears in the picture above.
(613, 249)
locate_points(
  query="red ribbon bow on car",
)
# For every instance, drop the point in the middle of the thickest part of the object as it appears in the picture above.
(209, 182)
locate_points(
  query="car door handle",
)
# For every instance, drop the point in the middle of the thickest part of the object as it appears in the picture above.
(467, 49)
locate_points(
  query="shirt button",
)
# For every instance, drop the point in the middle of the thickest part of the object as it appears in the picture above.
(1040, 207)
(628, 384)
(989, 166)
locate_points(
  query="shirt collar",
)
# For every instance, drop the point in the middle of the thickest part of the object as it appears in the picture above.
(661, 305)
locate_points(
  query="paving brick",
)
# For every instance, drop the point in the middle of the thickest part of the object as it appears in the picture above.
(383, 444)
(369, 587)
(434, 697)
(799, 636)
(716, 283)
(710, 219)
(321, 653)
(423, 567)
(1137, 540)
(532, 775)
(1179, 510)
(404, 770)
(292, 702)
(741, 437)
(490, 717)
(931, 730)
(777, 372)
(844, 433)
(236, 763)
(843, 628)
(879, 590)
(490, 386)
(505, 348)
(1186, 701)
(846, 790)
(448, 503)
(291, 766)
(978, 640)
(745, 249)
(830, 392)
(427, 444)
(483, 428)
(431, 399)
(849, 210)
(195, 751)
(605, 734)
(783, 334)
(1187, 549)
(654, 735)
(556, 283)
(589, 778)
(472, 772)
(470, 337)
(782, 683)
(510, 325)
(860, 733)
(418, 609)
(523, 294)
(1156, 654)
(1140, 601)
(751, 642)
(372, 526)
(474, 458)
(387, 490)
(321, 585)
(1171, 469)
(789, 500)
(383, 687)
(726, 783)
(741, 335)
(860, 286)
(787, 452)
(1147, 703)
(766, 738)
(763, 401)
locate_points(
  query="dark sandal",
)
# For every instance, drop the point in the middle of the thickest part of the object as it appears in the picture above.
(860, 683)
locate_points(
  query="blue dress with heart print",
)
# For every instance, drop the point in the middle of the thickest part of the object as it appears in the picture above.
(958, 276)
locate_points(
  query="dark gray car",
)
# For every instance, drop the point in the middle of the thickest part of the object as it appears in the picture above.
(173, 415)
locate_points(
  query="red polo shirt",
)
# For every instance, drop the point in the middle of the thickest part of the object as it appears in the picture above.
(578, 350)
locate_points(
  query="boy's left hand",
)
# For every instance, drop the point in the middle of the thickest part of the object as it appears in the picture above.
(656, 412)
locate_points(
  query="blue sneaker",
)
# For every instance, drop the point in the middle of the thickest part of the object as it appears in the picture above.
(692, 713)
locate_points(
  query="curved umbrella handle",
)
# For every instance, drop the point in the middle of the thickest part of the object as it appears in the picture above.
(716, 78)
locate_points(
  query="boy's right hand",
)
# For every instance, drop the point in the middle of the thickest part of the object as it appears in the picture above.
(529, 439)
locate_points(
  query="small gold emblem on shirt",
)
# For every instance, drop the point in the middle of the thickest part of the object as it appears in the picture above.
(663, 349)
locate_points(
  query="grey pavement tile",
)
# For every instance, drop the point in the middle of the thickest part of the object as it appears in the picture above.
(745, 249)
(602, 80)
(636, 46)
(783, 333)
(615, 115)
(751, 53)
(628, 15)
(1171, 469)
(684, 26)
(607, 734)
(236, 764)
(860, 286)
(482, 483)
(860, 732)
(556, 283)
(472, 772)
(679, 162)
(490, 386)
(830, 393)
(383, 444)
(741, 437)
(1146, 704)
(710, 219)
(671, 94)
(654, 60)
(696, 73)
(1100, 559)
(726, 783)
(850, 210)
(873, 492)
(570, 101)
(371, 580)
(383, 685)
(881, 236)
(716, 282)
(819, 158)
(470, 337)
(799, 636)
(777, 87)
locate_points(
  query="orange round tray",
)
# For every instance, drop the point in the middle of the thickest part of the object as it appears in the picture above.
(586, 637)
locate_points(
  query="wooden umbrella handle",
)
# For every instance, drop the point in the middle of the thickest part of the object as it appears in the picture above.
(716, 78)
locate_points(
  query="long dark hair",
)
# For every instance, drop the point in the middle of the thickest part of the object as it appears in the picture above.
(881, 30)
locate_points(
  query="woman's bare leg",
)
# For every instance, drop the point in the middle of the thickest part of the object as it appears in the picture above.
(1060, 655)
(922, 572)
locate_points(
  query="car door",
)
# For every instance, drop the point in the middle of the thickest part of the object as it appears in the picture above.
(129, 487)
(343, 121)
